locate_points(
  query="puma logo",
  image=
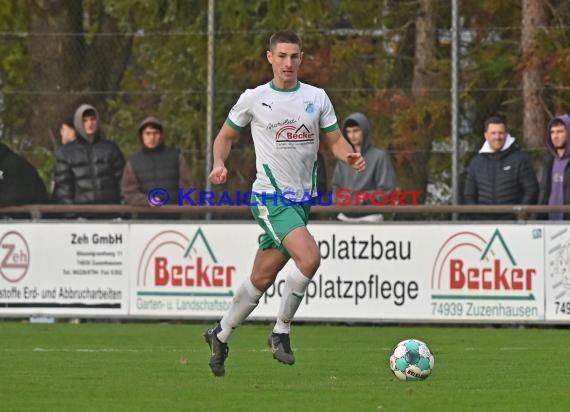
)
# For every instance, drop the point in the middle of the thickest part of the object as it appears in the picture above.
(266, 105)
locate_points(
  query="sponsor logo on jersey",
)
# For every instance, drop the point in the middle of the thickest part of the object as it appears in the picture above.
(292, 134)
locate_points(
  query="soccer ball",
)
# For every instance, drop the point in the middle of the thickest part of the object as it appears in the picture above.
(411, 360)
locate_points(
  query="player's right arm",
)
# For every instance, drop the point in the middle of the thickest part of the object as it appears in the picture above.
(221, 150)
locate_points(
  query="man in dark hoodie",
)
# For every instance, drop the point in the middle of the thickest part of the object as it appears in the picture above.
(20, 183)
(88, 170)
(155, 166)
(501, 173)
(379, 175)
(555, 177)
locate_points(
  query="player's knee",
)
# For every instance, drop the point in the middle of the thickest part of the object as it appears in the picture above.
(262, 282)
(310, 264)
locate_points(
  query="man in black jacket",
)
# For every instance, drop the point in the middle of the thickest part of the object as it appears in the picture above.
(20, 183)
(500, 174)
(88, 170)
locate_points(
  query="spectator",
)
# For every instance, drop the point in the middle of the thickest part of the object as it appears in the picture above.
(67, 131)
(155, 166)
(555, 177)
(20, 183)
(501, 173)
(88, 170)
(379, 175)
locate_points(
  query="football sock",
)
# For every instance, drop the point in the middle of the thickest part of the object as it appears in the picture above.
(293, 292)
(244, 302)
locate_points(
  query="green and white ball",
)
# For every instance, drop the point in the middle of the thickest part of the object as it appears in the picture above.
(411, 360)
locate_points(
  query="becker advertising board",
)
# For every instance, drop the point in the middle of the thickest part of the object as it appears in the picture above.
(188, 270)
(487, 273)
(68, 270)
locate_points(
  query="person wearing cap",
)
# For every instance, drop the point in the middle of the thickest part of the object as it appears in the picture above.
(88, 170)
(155, 166)
(67, 131)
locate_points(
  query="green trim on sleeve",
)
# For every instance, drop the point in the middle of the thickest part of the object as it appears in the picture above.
(331, 128)
(233, 125)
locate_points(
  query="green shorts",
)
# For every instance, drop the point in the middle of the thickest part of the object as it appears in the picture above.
(277, 219)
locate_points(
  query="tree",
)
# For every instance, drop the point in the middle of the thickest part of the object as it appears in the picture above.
(69, 62)
(423, 79)
(417, 110)
(424, 51)
(534, 20)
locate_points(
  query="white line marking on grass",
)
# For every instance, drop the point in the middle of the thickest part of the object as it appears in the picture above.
(88, 350)
(505, 348)
(259, 350)
(98, 350)
(117, 350)
(164, 350)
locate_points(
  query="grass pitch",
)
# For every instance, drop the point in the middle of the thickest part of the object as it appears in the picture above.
(163, 367)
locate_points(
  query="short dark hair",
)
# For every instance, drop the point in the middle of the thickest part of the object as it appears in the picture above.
(556, 122)
(89, 112)
(284, 36)
(494, 120)
(151, 125)
(351, 123)
(68, 121)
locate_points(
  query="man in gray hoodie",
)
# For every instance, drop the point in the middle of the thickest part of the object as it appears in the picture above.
(379, 175)
(555, 176)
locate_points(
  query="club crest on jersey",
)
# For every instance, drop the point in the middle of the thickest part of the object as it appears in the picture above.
(309, 107)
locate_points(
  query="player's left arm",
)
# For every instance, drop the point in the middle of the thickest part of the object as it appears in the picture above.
(342, 150)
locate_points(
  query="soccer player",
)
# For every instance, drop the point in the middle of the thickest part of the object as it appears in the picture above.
(287, 118)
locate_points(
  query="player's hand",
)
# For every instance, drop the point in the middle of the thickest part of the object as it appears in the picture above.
(356, 161)
(218, 175)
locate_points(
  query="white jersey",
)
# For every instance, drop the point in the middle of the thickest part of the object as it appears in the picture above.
(285, 126)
